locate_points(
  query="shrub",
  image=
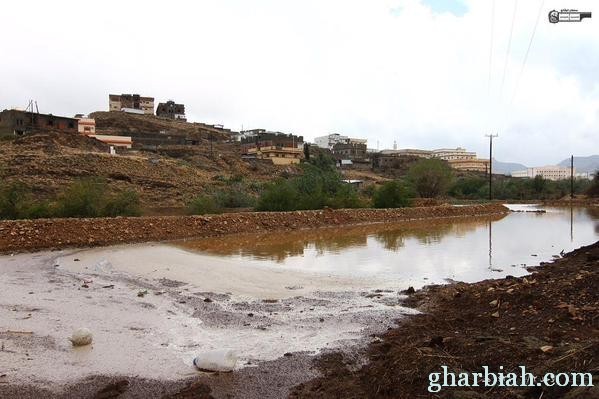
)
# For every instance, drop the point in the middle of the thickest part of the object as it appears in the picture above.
(236, 196)
(593, 190)
(391, 194)
(16, 203)
(278, 196)
(123, 204)
(430, 177)
(203, 204)
(83, 198)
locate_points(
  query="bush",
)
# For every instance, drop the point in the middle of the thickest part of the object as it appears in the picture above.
(236, 196)
(123, 204)
(278, 196)
(82, 199)
(593, 190)
(203, 204)
(16, 203)
(320, 185)
(430, 177)
(391, 194)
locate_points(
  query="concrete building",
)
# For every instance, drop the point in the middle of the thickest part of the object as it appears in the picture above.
(171, 110)
(116, 141)
(118, 102)
(460, 159)
(279, 148)
(330, 140)
(470, 165)
(408, 152)
(450, 154)
(547, 172)
(85, 125)
(350, 151)
(17, 123)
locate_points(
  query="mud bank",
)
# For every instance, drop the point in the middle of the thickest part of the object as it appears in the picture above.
(547, 321)
(31, 235)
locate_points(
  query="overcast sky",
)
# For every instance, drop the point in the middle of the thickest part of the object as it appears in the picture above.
(411, 71)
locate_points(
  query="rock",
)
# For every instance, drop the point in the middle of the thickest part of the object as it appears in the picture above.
(493, 303)
(207, 300)
(409, 291)
(546, 349)
(81, 337)
(496, 314)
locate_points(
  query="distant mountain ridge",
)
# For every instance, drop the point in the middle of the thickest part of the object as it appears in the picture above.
(506, 168)
(588, 164)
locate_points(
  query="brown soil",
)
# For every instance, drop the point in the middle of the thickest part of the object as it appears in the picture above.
(30, 235)
(494, 323)
(49, 162)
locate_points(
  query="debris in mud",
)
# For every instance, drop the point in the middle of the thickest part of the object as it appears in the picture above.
(143, 293)
(216, 360)
(81, 337)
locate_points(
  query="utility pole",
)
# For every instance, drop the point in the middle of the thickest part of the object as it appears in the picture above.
(571, 176)
(490, 136)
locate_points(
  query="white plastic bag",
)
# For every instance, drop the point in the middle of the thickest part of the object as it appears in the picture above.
(216, 360)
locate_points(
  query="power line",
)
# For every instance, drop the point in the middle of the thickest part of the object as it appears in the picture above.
(532, 37)
(491, 47)
(509, 45)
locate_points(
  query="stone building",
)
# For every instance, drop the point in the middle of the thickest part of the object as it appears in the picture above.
(171, 110)
(120, 102)
(279, 148)
(17, 123)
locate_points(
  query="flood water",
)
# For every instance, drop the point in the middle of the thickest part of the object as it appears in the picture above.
(417, 253)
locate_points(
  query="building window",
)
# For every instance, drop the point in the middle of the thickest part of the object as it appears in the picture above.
(71, 125)
(50, 122)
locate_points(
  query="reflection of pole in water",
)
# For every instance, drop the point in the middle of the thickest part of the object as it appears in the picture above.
(571, 223)
(490, 244)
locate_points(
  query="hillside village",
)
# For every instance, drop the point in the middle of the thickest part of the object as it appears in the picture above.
(167, 160)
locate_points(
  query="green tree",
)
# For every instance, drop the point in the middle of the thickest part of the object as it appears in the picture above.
(391, 194)
(430, 177)
(278, 196)
(593, 190)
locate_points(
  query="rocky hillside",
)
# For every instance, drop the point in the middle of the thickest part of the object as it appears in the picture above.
(48, 162)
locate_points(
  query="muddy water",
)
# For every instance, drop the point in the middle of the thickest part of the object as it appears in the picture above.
(153, 307)
(418, 253)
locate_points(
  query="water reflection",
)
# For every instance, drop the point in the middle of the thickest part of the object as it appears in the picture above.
(392, 237)
(467, 249)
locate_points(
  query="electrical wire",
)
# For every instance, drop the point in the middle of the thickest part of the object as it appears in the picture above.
(509, 46)
(491, 47)
(532, 37)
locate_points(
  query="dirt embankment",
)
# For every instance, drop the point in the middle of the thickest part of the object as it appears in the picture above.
(547, 322)
(49, 162)
(30, 235)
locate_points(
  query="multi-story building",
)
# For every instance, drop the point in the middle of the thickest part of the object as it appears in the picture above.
(171, 110)
(279, 148)
(450, 154)
(86, 125)
(408, 152)
(349, 151)
(546, 172)
(470, 165)
(120, 102)
(15, 122)
(330, 140)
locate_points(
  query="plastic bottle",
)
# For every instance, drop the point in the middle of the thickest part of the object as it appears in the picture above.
(216, 360)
